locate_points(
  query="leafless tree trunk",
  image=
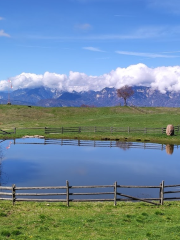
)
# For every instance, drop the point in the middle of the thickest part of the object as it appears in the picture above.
(125, 93)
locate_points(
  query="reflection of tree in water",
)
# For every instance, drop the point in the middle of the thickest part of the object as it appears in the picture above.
(124, 145)
(169, 149)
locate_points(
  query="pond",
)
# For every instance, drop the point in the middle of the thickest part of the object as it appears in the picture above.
(45, 162)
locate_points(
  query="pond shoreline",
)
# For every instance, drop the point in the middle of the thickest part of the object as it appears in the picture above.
(126, 138)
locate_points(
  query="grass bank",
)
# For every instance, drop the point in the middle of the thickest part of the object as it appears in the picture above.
(101, 221)
(24, 116)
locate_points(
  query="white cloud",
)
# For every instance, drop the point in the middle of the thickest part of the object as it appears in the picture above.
(170, 6)
(161, 78)
(3, 34)
(149, 55)
(172, 52)
(85, 26)
(93, 49)
(162, 32)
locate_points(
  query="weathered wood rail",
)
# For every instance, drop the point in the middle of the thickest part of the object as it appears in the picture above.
(90, 129)
(69, 193)
(99, 129)
(5, 132)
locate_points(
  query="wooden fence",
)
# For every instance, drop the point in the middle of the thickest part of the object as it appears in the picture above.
(90, 129)
(68, 193)
(3, 132)
(99, 129)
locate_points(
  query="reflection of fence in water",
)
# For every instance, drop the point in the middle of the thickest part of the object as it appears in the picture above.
(104, 143)
(120, 144)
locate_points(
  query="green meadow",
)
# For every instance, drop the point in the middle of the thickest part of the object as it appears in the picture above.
(134, 221)
(13, 116)
(102, 220)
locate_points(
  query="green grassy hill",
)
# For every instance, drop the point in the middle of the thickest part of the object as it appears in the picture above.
(23, 116)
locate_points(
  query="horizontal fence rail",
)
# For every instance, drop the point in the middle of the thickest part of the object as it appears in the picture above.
(3, 132)
(89, 129)
(99, 129)
(69, 193)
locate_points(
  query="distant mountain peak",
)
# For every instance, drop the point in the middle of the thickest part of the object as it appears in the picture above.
(43, 96)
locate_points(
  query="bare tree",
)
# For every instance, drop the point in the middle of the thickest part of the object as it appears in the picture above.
(125, 92)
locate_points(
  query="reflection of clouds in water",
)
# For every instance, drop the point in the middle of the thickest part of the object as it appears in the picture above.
(143, 165)
(89, 149)
(3, 175)
(80, 171)
(107, 161)
(4, 178)
(17, 171)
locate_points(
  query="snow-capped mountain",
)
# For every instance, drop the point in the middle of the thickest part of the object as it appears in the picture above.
(46, 97)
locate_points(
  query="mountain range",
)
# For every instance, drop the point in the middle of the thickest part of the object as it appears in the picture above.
(107, 97)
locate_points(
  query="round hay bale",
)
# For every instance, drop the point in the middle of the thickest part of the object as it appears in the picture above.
(170, 130)
(169, 149)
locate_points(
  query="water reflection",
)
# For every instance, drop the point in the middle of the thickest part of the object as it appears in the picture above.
(97, 143)
(1, 158)
(50, 162)
(170, 149)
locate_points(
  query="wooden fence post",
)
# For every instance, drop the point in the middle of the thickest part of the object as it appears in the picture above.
(13, 193)
(115, 193)
(128, 129)
(14, 130)
(145, 130)
(162, 193)
(94, 129)
(62, 130)
(67, 193)
(79, 130)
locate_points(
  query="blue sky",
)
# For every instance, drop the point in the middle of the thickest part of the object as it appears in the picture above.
(78, 39)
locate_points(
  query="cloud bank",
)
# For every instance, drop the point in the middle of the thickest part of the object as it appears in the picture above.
(149, 55)
(3, 34)
(93, 49)
(160, 78)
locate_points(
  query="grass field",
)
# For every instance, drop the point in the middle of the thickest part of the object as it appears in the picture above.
(128, 220)
(24, 116)
(135, 221)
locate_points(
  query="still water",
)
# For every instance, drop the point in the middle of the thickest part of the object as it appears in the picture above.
(40, 162)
